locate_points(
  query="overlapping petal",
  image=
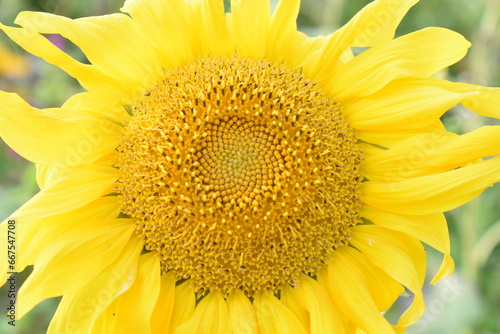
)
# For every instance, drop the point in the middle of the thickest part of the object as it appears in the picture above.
(421, 53)
(100, 37)
(157, 19)
(430, 194)
(79, 310)
(242, 314)
(70, 263)
(162, 313)
(131, 312)
(249, 23)
(210, 316)
(56, 137)
(274, 317)
(311, 303)
(350, 287)
(373, 25)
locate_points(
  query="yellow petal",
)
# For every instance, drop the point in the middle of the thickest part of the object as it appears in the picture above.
(283, 30)
(316, 305)
(301, 49)
(290, 300)
(99, 104)
(376, 23)
(162, 313)
(402, 104)
(249, 26)
(168, 26)
(373, 25)
(110, 42)
(482, 100)
(44, 174)
(431, 154)
(210, 316)
(421, 53)
(383, 288)
(400, 256)
(349, 287)
(485, 102)
(123, 315)
(71, 189)
(242, 314)
(131, 311)
(446, 269)
(274, 317)
(430, 229)
(35, 236)
(184, 305)
(391, 138)
(71, 263)
(79, 310)
(432, 193)
(55, 137)
(214, 36)
(89, 76)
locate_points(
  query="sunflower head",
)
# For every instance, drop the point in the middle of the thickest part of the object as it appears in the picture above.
(241, 173)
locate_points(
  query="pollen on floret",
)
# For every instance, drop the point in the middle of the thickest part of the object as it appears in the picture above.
(240, 173)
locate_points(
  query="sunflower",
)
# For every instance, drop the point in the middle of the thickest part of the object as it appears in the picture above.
(225, 173)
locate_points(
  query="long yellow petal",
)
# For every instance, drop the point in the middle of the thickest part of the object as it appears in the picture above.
(283, 30)
(316, 304)
(70, 190)
(214, 36)
(432, 193)
(348, 284)
(430, 229)
(79, 310)
(373, 25)
(87, 184)
(35, 236)
(390, 138)
(55, 137)
(72, 262)
(131, 312)
(184, 305)
(249, 26)
(168, 26)
(400, 256)
(402, 104)
(482, 100)
(274, 317)
(377, 278)
(162, 313)
(99, 104)
(210, 316)
(242, 314)
(110, 42)
(301, 48)
(421, 53)
(431, 154)
(89, 76)
(290, 300)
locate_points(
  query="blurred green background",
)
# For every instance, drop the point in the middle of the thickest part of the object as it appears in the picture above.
(467, 302)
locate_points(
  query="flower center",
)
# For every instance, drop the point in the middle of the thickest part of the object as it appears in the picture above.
(240, 173)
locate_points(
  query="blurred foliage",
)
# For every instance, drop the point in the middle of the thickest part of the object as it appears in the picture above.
(466, 303)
